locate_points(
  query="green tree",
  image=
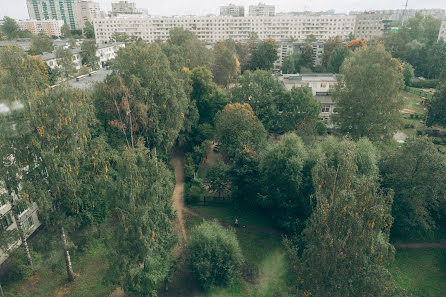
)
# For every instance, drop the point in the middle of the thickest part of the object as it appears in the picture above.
(143, 97)
(224, 66)
(214, 255)
(306, 58)
(41, 44)
(217, 178)
(329, 46)
(64, 58)
(436, 108)
(337, 58)
(238, 129)
(418, 185)
(88, 53)
(264, 55)
(10, 28)
(121, 37)
(66, 31)
(408, 73)
(347, 232)
(291, 64)
(142, 237)
(89, 30)
(367, 94)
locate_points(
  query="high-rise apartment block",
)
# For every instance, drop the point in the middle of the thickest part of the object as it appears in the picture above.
(124, 7)
(65, 10)
(442, 34)
(47, 27)
(371, 25)
(232, 10)
(88, 11)
(262, 9)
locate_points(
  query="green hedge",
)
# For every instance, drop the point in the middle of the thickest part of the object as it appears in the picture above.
(428, 83)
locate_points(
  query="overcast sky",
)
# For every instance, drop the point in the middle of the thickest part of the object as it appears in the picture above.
(17, 8)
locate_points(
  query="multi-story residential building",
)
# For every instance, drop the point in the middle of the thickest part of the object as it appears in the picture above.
(287, 48)
(320, 85)
(124, 7)
(442, 33)
(404, 14)
(213, 29)
(88, 11)
(65, 10)
(47, 27)
(232, 10)
(262, 9)
(371, 25)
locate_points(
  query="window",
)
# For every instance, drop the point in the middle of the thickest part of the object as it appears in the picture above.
(326, 108)
(6, 221)
(28, 223)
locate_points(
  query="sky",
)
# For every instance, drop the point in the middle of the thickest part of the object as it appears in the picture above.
(17, 8)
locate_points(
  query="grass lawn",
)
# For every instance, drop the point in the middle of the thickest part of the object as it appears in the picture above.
(421, 272)
(411, 103)
(50, 279)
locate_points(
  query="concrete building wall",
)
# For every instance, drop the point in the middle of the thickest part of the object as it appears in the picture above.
(262, 9)
(65, 10)
(232, 10)
(88, 10)
(369, 26)
(47, 27)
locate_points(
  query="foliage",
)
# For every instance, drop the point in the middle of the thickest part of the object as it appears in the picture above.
(66, 31)
(10, 28)
(217, 179)
(64, 58)
(89, 30)
(367, 94)
(437, 108)
(122, 37)
(225, 64)
(41, 44)
(238, 129)
(18, 269)
(306, 58)
(347, 231)
(263, 56)
(214, 255)
(88, 54)
(408, 73)
(143, 97)
(140, 245)
(337, 58)
(426, 83)
(357, 43)
(418, 185)
(291, 64)
(329, 46)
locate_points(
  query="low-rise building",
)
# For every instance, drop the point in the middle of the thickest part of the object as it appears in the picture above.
(47, 27)
(442, 33)
(107, 52)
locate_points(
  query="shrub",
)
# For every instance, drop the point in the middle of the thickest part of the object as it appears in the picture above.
(250, 272)
(17, 266)
(214, 255)
(194, 192)
(321, 128)
(427, 83)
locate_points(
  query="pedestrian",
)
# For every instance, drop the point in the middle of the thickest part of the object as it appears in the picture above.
(236, 223)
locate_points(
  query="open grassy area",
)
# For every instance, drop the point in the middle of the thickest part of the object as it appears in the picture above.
(413, 116)
(421, 272)
(50, 278)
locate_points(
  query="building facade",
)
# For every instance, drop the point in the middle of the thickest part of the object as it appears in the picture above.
(213, 29)
(404, 14)
(442, 33)
(287, 48)
(64, 10)
(232, 10)
(262, 9)
(47, 27)
(88, 11)
(371, 25)
(124, 7)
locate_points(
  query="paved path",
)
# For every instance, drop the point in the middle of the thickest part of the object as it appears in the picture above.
(420, 245)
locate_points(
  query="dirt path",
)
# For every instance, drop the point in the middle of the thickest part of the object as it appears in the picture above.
(420, 245)
(178, 192)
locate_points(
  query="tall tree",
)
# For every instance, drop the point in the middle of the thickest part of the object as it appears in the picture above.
(89, 30)
(89, 57)
(436, 109)
(10, 28)
(418, 185)
(41, 44)
(306, 58)
(291, 64)
(337, 58)
(367, 94)
(238, 129)
(264, 55)
(347, 232)
(66, 31)
(64, 58)
(225, 64)
(142, 237)
(329, 46)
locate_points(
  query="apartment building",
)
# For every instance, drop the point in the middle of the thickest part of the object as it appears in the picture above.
(400, 14)
(371, 25)
(64, 10)
(442, 33)
(287, 48)
(232, 10)
(47, 27)
(262, 9)
(320, 85)
(88, 11)
(213, 29)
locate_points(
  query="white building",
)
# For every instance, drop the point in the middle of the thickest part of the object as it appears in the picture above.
(126, 7)
(404, 14)
(287, 48)
(47, 27)
(107, 52)
(442, 33)
(88, 10)
(217, 28)
(232, 10)
(371, 25)
(65, 10)
(262, 9)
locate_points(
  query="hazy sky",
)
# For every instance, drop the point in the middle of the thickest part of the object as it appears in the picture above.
(17, 8)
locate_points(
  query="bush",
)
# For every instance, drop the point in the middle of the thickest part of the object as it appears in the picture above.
(17, 266)
(250, 272)
(320, 128)
(214, 255)
(194, 192)
(427, 83)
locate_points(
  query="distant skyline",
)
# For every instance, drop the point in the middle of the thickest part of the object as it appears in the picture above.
(17, 8)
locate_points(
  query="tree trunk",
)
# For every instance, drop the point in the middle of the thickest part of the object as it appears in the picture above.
(1, 292)
(70, 272)
(24, 241)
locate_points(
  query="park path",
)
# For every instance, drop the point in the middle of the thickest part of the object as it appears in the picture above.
(178, 192)
(420, 245)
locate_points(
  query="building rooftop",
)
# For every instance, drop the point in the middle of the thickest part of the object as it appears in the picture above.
(86, 81)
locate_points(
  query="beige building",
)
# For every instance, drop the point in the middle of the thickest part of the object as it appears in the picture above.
(124, 7)
(262, 9)
(371, 25)
(442, 33)
(47, 27)
(88, 11)
(232, 10)
(63, 10)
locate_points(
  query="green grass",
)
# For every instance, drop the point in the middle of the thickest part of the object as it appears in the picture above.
(421, 272)
(50, 279)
